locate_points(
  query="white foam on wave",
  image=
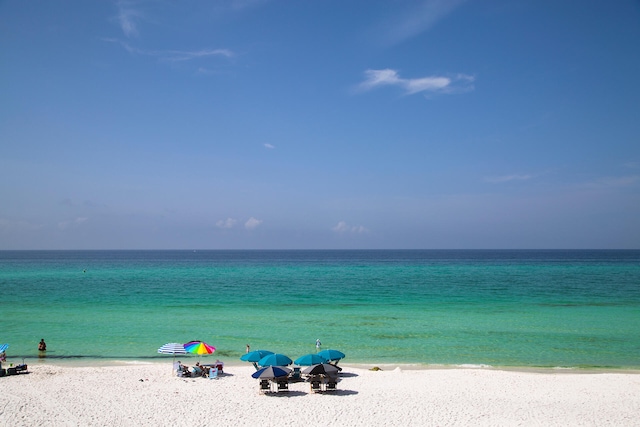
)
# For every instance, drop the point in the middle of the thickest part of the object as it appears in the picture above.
(473, 366)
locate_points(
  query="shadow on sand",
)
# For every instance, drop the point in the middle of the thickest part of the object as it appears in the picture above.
(286, 393)
(347, 375)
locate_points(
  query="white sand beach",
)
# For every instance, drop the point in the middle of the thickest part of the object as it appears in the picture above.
(148, 394)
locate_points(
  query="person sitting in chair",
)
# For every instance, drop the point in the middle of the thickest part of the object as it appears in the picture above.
(182, 370)
(197, 370)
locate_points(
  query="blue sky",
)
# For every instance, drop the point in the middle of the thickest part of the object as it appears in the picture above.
(272, 124)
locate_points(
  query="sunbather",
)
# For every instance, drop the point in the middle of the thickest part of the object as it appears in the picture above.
(182, 370)
(197, 370)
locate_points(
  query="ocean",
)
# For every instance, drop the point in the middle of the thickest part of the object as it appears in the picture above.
(510, 308)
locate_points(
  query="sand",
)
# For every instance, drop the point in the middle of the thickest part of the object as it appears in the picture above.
(149, 394)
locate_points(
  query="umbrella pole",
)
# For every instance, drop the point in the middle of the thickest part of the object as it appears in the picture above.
(255, 365)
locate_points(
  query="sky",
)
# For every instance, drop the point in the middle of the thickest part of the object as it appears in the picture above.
(320, 124)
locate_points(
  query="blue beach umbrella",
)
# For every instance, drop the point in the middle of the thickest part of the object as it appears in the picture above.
(275, 359)
(331, 354)
(310, 359)
(269, 372)
(255, 356)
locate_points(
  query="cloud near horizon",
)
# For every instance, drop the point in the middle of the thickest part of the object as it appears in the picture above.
(9, 226)
(66, 224)
(615, 181)
(343, 227)
(252, 223)
(226, 223)
(439, 84)
(230, 223)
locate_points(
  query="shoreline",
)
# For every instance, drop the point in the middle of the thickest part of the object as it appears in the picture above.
(191, 360)
(149, 394)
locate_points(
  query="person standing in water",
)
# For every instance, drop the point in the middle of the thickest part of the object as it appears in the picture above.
(318, 344)
(42, 346)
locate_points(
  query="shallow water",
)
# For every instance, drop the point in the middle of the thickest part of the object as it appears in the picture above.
(500, 308)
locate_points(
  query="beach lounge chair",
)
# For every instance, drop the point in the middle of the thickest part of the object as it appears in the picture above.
(296, 374)
(213, 373)
(331, 384)
(197, 371)
(18, 369)
(315, 384)
(177, 368)
(283, 384)
(265, 385)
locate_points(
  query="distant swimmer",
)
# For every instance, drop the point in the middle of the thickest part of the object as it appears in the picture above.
(42, 346)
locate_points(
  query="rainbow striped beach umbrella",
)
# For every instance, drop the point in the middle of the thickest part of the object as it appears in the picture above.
(199, 347)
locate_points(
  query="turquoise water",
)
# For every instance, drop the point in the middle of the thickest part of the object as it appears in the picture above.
(501, 308)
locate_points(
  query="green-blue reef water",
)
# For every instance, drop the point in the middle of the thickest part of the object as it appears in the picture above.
(499, 308)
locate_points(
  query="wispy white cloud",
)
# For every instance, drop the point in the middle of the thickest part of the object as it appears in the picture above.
(269, 146)
(7, 225)
(418, 19)
(252, 223)
(245, 4)
(66, 224)
(226, 223)
(127, 17)
(507, 178)
(186, 55)
(632, 165)
(615, 182)
(172, 55)
(440, 84)
(230, 223)
(68, 202)
(343, 227)
(604, 182)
